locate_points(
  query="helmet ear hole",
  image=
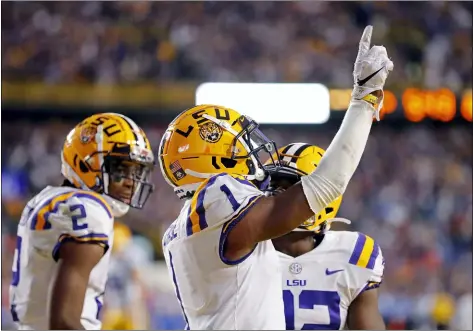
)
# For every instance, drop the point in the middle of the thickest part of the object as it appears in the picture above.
(228, 163)
(251, 167)
(83, 167)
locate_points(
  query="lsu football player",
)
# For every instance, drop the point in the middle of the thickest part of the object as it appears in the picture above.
(330, 278)
(218, 251)
(64, 234)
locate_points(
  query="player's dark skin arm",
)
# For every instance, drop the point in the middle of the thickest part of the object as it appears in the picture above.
(363, 313)
(76, 261)
(269, 218)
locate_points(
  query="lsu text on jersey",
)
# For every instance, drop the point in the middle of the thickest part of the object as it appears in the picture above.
(320, 285)
(215, 293)
(54, 216)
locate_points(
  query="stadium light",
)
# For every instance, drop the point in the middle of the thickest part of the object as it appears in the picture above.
(270, 103)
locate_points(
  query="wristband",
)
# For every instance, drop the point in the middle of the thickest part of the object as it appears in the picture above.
(371, 99)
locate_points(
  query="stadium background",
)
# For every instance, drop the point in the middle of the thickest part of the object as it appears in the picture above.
(412, 191)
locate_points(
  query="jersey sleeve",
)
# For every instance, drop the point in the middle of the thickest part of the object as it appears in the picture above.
(83, 217)
(367, 255)
(218, 205)
(219, 200)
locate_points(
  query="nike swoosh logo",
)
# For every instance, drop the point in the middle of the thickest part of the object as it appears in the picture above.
(331, 272)
(363, 81)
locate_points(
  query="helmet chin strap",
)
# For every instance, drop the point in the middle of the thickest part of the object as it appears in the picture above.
(329, 223)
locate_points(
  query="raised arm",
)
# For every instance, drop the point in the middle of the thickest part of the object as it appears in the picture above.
(274, 216)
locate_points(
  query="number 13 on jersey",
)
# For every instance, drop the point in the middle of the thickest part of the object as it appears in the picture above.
(304, 312)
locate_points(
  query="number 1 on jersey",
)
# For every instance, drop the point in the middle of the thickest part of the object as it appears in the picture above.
(231, 198)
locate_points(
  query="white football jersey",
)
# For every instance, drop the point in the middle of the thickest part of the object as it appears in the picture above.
(54, 216)
(214, 293)
(320, 285)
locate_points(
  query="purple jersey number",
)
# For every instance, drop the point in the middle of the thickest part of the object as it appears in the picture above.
(307, 300)
(76, 218)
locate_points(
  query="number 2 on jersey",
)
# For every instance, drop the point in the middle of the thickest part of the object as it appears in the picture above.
(75, 218)
(17, 258)
(307, 300)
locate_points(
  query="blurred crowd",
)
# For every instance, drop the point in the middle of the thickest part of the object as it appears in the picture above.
(128, 42)
(412, 192)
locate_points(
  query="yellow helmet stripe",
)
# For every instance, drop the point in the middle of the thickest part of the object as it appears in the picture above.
(129, 134)
(135, 130)
(294, 151)
(148, 145)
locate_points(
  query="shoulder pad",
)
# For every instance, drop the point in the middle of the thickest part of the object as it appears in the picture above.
(75, 204)
(217, 199)
(365, 251)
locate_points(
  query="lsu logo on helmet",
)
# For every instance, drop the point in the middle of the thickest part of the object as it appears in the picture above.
(108, 148)
(209, 139)
(87, 134)
(210, 132)
(300, 159)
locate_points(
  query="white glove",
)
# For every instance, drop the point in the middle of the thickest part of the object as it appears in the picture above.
(372, 67)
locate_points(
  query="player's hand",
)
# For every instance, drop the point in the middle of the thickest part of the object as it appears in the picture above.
(372, 67)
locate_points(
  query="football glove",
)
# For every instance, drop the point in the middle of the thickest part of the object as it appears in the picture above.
(372, 67)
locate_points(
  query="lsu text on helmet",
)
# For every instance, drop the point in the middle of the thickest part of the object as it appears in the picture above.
(207, 140)
(111, 155)
(296, 160)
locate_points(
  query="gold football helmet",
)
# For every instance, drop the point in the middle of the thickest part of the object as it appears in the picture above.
(296, 160)
(106, 151)
(207, 140)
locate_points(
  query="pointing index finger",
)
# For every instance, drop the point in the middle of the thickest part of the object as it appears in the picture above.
(365, 40)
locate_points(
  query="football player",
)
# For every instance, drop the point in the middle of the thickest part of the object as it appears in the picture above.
(219, 254)
(330, 278)
(62, 252)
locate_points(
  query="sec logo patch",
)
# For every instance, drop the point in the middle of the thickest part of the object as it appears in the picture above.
(295, 268)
